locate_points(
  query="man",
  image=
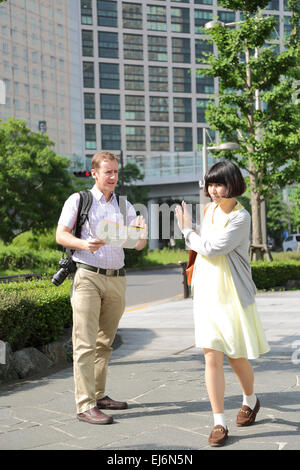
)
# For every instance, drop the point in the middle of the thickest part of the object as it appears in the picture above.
(98, 290)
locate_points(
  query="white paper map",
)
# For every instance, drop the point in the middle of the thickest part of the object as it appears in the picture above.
(124, 236)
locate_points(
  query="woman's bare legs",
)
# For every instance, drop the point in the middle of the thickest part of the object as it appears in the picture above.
(244, 373)
(214, 379)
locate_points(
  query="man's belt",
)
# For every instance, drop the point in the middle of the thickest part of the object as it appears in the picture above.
(106, 272)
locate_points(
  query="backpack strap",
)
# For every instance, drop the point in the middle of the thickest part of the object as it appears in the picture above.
(85, 202)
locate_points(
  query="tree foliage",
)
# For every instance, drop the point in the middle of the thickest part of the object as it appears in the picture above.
(295, 208)
(256, 106)
(34, 180)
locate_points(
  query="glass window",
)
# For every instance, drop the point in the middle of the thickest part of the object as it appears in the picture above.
(202, 46)
(135, 138)
(182, 108)
(107, 13)
(156, 18)
(203, 2)
(183, 139)
(109, 76)
(181, 80)
(158, 78)
(159, 108)
(135, 108)
(88, 75)
(201, 107)
(132, 15)
(159, 138)
(181, 1)
(227, 17)
(157, 48)
(110, 106)
(90, 136)
(87, 43)
(211, 136)
(286, 6)
(276, 30)
(287, 27)
(89, 106)
(181, 50)
(133, 46)
(86, 12)
(180, 20)
(110, 137)
(108, 44)
(134, 77)
(204, 84)
(272, 5)
(201, 18)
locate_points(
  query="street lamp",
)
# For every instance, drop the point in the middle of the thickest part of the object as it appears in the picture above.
(224, 146)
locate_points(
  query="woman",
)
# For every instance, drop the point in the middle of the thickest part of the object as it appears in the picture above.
(225, 315)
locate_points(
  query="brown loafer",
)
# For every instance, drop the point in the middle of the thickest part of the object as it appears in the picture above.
(218, 436)
(246, 416)
(95, 416)
(107, 403)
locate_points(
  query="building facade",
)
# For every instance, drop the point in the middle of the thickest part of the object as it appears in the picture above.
(40, 65)
(143, 89)
(117, 75)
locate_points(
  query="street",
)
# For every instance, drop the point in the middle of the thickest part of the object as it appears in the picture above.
(152, 285)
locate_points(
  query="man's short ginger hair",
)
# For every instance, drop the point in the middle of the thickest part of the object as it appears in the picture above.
(99, 157)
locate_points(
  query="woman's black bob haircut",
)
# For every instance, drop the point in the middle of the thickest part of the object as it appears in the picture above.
(226, 173)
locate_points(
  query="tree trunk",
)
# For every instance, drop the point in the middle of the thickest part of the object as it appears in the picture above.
(257, 240)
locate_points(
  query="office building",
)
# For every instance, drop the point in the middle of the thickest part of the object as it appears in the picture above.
(143, 88)
(41, 67)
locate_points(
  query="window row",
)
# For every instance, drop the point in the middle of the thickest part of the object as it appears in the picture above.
(109, 78)
(135, 108)
(156, 16)
(136, 138)
(132, 15)
(133, 49)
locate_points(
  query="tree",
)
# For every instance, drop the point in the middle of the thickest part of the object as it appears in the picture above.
(128, 175)
(295, 208)
(34, 181)
(277, 217)
(256, 105)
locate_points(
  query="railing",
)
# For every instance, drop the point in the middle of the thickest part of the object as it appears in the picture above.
(20, 277)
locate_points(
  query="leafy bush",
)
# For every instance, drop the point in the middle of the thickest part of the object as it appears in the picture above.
(276, 273)
(34, 313)
(36, 242)
(15, 258)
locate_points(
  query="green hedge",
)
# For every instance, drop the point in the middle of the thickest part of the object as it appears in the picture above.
(42, 261)
(45, 261)
(276, 273)
(34, 313)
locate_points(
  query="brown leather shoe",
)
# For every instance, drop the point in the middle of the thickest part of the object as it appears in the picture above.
(95, 416)
(246, 416)
(107, 403)
(218, 436)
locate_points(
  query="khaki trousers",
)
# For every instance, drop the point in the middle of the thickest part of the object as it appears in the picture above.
(98, 302)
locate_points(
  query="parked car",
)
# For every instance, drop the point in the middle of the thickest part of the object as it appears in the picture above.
(291, 242)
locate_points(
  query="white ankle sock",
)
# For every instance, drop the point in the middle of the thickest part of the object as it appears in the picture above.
(219, 418)
(249, 400)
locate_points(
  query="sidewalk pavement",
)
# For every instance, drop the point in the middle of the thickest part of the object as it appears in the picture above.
(161, 375)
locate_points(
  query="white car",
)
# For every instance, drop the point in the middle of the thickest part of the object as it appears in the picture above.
(291, 242)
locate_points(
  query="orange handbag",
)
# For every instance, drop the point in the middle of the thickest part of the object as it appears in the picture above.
(192, 258)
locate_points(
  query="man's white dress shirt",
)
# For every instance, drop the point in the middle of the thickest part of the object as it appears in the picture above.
(107, 257)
